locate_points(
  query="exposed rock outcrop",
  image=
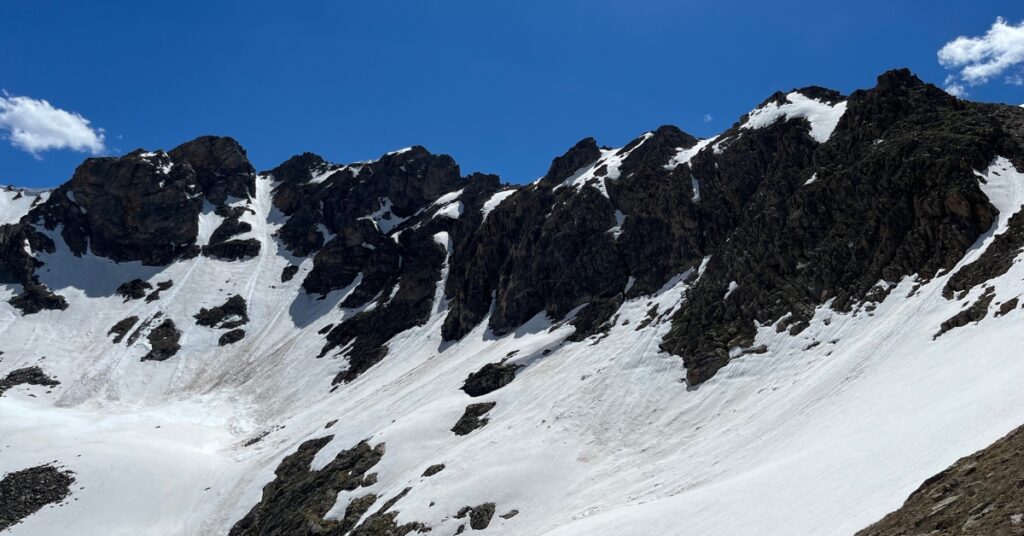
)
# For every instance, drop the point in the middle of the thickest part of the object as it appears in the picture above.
(122, 327)
(473, 418)
(144, 206)
(231, 337)
(298, 499)
(974, 313)
(479, 515)
(221, 167)
(229, 315)
(890, 199)
(489, 378)
(18, 265)
(135, 289)
(138, 207)
(26, 376)
(979, 495)
(163, 342)
(433, 469)
(25, 492)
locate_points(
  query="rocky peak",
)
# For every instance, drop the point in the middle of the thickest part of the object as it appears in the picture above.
(413, 177)
(138, 207)
(298, 169)
(809, 222)
(650, 153)
(897, 95)
(143, 206)
(381, 192)
(221, 166)
(584, 152)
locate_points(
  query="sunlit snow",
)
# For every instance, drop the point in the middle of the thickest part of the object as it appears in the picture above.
(822, 116)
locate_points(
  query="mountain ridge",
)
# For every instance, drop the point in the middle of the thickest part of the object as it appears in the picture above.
(715, 261)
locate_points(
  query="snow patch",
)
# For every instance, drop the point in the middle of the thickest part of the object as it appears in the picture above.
(451, 210)
(321, 174)
(823, 116)
(448, 197)
(732, 287)
(686, 154)
(383, 217)
(494, 201)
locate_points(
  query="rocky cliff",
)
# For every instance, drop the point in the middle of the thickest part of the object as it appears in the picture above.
(400, 288)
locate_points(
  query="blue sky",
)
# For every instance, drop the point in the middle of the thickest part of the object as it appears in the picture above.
(502, 87)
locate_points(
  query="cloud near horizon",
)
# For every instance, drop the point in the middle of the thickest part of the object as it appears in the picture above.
(978, 60)
(35, 126)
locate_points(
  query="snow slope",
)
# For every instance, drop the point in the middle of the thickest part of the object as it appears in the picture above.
(16, 202)
(593, 437)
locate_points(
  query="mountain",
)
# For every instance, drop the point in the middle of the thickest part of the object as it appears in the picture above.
(784, 329)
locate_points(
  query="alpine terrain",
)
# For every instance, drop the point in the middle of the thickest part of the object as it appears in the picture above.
(785, 329)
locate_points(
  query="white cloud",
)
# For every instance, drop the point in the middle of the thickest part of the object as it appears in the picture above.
(955, 88)
(708, 118)
(34, 125)
(979, 59)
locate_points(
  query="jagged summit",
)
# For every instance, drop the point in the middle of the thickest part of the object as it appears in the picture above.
(667, 202)
(394, 344)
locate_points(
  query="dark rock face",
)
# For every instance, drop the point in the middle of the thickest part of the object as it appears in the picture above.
(122, 327)
(401, 274)
(1007, 306)
(878, 210)
(163, 342)
(551, 249)
(288, 273)
(221, 167)
(893, 194)
(393, 187)
(17, 266)
(135, 289)
(36, 297)
(383, 523)
(473, 418)
(490, 378)
(26, 376)
(160, 287)
(233, 250)
(977, 311)
(25, 492)
(145, 206)
(228, 228)
(139, 207)
(889, 199)
(979, 495)
(298, 498)
(433, 469)
(479, 516)
(580, 155)
(221, 244)
(231, 314)
(231, 337)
